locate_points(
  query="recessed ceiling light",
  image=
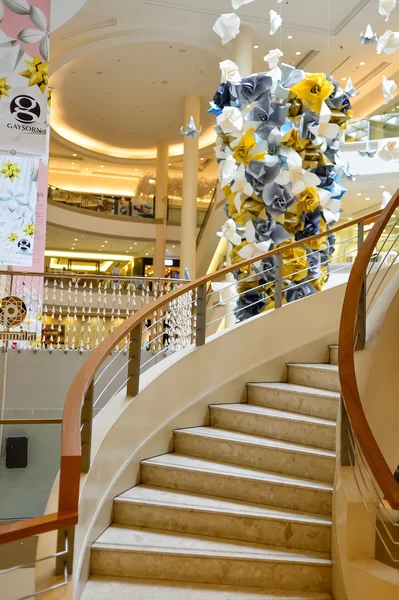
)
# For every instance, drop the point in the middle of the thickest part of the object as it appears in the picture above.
(343, 78)
(102, 166)
(362, 63)
(367, 198)
(151, 181)
(74, 154)
(256, 46)
(359, 194)
(350, 218)
(289, 37)
(298, 53)
(131, 248)
(106, 242)
(75, 240)
(72, 248)
(170, 164)
(146, 253)
(87, 168)
(382, 186)
(72, 163)
(103, 246)
(136, 169)
(167, 250)
(173, 246)
(135, 243)
(202, 158)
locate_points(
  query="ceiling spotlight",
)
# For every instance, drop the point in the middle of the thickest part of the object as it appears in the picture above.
(343, 78)
(202, 158)
(298, 53)
(350, 218)
(72, 163)
(173, 246)
(367, 198)
(131, 248)
(256, 47)
(146, 253)
(289, 37)
(136, 169)
(359, 194)
(74, 154)
(87, 168)
(102, 166)
(382, 186)
(151, 181)
(75, 240)
(362, 63)
(135, 243)
(170, 164)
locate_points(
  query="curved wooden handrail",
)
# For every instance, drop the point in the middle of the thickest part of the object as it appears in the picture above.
(71, 440)
(346, 360)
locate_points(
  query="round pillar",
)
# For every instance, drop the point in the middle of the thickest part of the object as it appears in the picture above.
(161, 197)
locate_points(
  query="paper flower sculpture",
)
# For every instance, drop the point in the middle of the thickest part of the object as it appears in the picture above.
(386, 7)
(4, 87)
(278, 138)
(389, 150)
(275, 22)
(37, 73)
(388, 89)
(238, 3)
(10, 170)
(227, 27)
(388, 43)
(191, 130)
(369, 37)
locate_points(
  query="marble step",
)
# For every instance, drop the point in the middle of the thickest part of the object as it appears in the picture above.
(124, 588)
(273, 423)
(295, 398)
(333, 355)
(320, 375)
(256, 451)
(123, 551)
(190, 474)
(172, 510)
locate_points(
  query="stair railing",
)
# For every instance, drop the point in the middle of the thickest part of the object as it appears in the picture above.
(376, 260)
(171, 323)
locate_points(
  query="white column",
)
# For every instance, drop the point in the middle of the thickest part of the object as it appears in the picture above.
(188, 247)
(161, 194)
(243, 49)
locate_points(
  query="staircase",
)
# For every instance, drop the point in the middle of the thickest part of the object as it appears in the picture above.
(241, 510)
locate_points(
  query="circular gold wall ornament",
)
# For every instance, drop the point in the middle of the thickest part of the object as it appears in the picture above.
(12, 311)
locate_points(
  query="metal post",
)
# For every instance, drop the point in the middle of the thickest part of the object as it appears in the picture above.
(86, 428)
(133, 371)
(360, 330)
(278, 298)
(65, 541)
(345, 445)
(200, 334)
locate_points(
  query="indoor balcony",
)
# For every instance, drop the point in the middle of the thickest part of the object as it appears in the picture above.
(212, 473)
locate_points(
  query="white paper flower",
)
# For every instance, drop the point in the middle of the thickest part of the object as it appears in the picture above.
(230, 72)
(331, 206)
(253, 249)
(273, 58)
(238, 3)
(386, 198)
(388, 150)
(229, 232)
(324, 128)
(386, 7)
(227, 27)
(388, 88)
(227, 170)
(275, 22)
(299, 178)
(388, 43)
(230, 120)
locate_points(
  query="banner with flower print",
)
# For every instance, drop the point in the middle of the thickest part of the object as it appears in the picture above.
(278, 152)
(18, 199)
(24, 96)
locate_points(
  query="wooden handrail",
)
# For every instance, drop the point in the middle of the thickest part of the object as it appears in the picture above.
(70, 470)
(346, 360)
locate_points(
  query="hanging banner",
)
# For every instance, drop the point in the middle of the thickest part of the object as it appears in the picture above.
(24, 96)
(18, 199)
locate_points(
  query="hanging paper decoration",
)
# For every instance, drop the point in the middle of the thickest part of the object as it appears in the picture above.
(191, 130)
(227, 27)
(275, 22)
(388, 89)
(386, 7)
(369, 37)
(388, 43)
(277, 148)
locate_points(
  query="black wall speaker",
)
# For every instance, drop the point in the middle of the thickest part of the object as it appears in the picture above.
(16, 452)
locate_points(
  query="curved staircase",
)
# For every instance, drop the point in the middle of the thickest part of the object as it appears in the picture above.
(240, 510)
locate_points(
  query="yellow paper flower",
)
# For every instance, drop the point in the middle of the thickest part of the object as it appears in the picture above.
(12, 237)
(29, 230)
(320, 283)
(10, 170)
(234, 256)
(37, 73)
(315, 88)
(292, 140)
(308, 201)
(243, 152)
(4, 87)
(295, 263)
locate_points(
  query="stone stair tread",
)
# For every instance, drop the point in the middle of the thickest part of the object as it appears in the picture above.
(155, 496)
(182, 461)
(249, 438)
(318, 366)
(274, 413)
(125, 588)
(296, 388)
(136, 539)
